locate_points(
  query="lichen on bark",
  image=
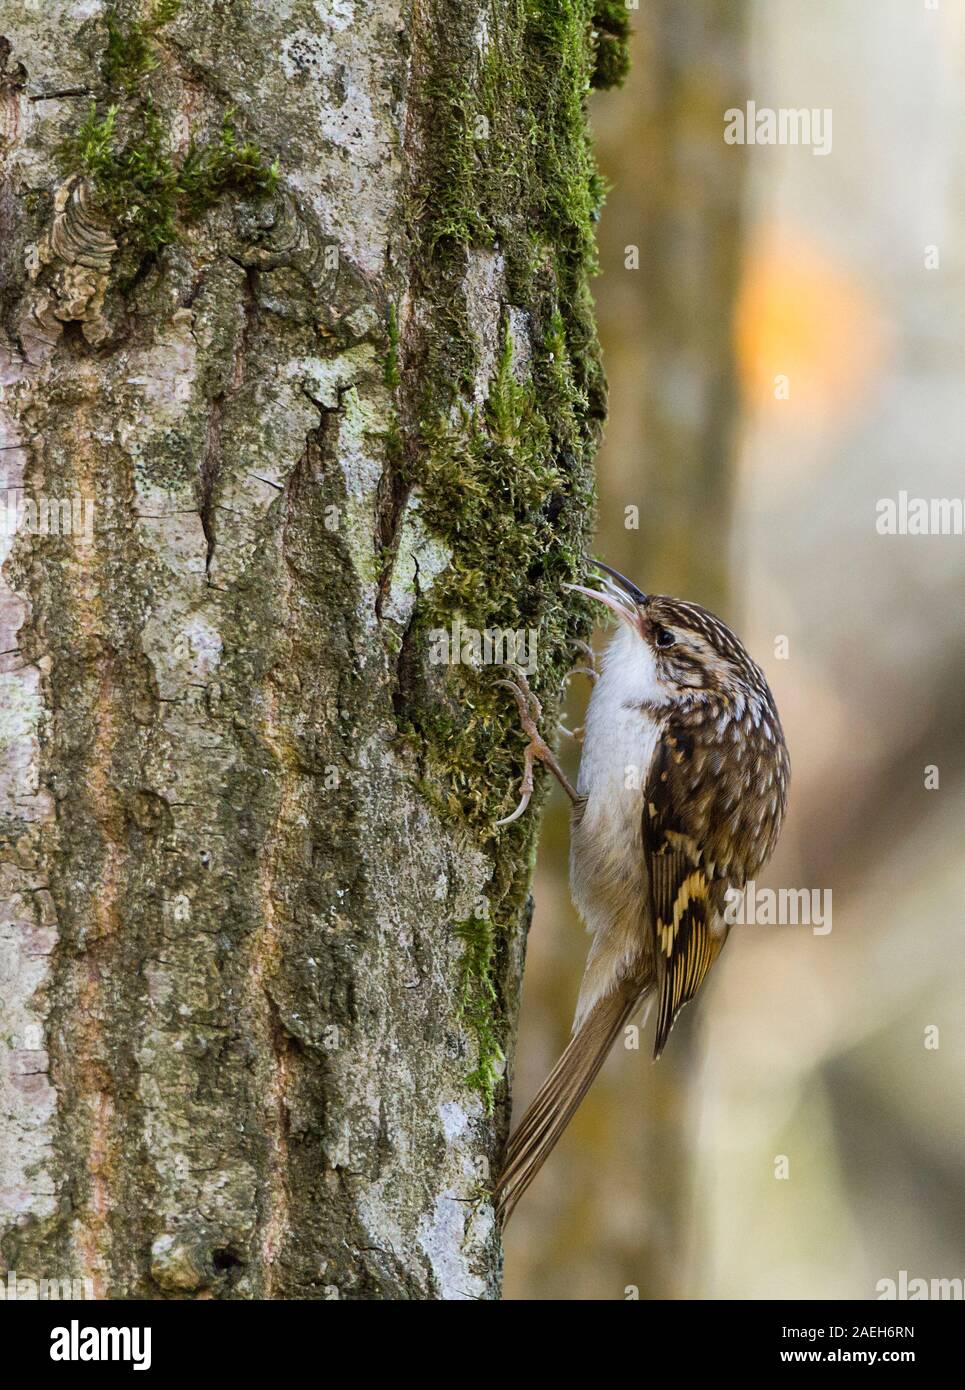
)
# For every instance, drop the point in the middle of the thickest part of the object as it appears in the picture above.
(246, 821)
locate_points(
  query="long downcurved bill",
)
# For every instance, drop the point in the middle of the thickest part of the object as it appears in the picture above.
(616, 603)
(623, 601)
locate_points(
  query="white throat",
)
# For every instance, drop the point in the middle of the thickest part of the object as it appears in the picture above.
(620, 733)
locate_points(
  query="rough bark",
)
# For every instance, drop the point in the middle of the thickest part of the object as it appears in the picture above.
(260, 943)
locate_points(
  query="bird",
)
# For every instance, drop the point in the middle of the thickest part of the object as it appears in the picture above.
(680, 798)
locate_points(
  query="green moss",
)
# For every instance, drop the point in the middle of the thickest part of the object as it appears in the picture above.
(133, 182)
(477, 998)
(391, 364)
(209, 171)
(131, 53)
(493, 484)
(488, 171)
(611, 24)
(490, 483)
(506, 485)
(124, 150)
(457, 216)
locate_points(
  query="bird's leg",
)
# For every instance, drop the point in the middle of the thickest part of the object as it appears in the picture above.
(530, 710)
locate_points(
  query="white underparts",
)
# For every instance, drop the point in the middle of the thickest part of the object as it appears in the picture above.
(608, 875)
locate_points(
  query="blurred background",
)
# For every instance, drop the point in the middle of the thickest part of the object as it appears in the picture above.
(785, 349)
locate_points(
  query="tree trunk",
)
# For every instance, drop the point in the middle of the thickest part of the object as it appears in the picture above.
(296, 323)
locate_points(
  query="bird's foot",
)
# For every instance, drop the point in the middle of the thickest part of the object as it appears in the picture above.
(573, 733)
(530, 711)
(588, 670)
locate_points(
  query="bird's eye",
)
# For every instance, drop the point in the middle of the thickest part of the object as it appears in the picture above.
(663, 638)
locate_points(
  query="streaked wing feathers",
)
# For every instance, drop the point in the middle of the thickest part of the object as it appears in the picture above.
(688, 933)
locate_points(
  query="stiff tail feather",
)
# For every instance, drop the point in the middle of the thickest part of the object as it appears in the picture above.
(559, 1097)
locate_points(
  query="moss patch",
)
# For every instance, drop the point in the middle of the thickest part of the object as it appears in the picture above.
(391, 362)
(477, 1005)
(611, 25)
(124, 148)
(506, 485)
(131, 52)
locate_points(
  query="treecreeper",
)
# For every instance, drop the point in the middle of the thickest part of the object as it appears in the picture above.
(680, 798)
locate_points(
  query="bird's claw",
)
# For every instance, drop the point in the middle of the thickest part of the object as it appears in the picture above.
(527, 703)
(530, 710)
(590, 668)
